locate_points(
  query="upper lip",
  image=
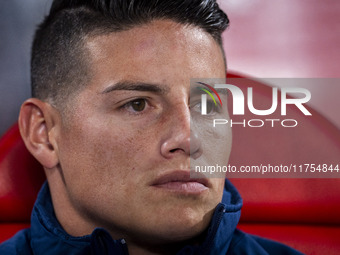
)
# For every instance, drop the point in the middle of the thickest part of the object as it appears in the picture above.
(179, 176)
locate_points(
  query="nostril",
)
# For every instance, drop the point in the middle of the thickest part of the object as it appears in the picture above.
(177, 143)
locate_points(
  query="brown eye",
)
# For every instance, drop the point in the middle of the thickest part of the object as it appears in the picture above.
(138, 105)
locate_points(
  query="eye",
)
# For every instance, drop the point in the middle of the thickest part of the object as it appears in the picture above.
(137, 105)
(211, 107)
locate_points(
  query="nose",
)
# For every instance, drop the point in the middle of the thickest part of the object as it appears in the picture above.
(179, 137)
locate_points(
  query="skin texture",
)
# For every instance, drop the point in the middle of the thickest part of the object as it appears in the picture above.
(102, 157)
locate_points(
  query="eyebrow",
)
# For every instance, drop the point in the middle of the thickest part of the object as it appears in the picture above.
(136, 86)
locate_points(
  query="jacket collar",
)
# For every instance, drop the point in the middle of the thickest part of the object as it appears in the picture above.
(48, 235)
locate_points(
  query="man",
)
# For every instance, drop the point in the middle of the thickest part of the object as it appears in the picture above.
(110, 123)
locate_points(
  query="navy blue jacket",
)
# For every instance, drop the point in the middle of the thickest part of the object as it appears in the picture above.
(47, 237)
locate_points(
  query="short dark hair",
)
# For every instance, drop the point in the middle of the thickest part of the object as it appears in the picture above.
(58, 64)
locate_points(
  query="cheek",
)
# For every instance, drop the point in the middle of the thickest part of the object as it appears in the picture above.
(216, 143)
(99, 166)
(219, 182)
(98, 154)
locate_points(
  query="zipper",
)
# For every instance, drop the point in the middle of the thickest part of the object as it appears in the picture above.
(124, 246)
(221, 210)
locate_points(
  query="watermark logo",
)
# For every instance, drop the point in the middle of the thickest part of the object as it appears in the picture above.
(204, 97)
(243, 99)
(239, 99)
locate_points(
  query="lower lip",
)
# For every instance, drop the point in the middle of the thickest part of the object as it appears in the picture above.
(183, 187)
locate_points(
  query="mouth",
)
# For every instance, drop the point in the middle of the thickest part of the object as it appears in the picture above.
(180, 182)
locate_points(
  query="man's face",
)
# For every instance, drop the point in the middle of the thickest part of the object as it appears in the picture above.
(124, 148)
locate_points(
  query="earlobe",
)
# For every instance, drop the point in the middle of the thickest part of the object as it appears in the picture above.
(35, 123)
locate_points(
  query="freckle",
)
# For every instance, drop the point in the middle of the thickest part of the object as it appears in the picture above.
(130, 140)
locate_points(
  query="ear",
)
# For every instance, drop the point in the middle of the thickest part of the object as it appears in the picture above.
(38, 122)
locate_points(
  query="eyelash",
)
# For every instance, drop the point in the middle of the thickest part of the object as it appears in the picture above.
(214, 109)
(129, 105)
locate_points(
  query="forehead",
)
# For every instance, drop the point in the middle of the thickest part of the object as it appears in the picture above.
(156, 50)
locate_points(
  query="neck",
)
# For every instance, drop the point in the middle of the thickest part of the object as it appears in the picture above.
(141, 247)
(74, 223)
